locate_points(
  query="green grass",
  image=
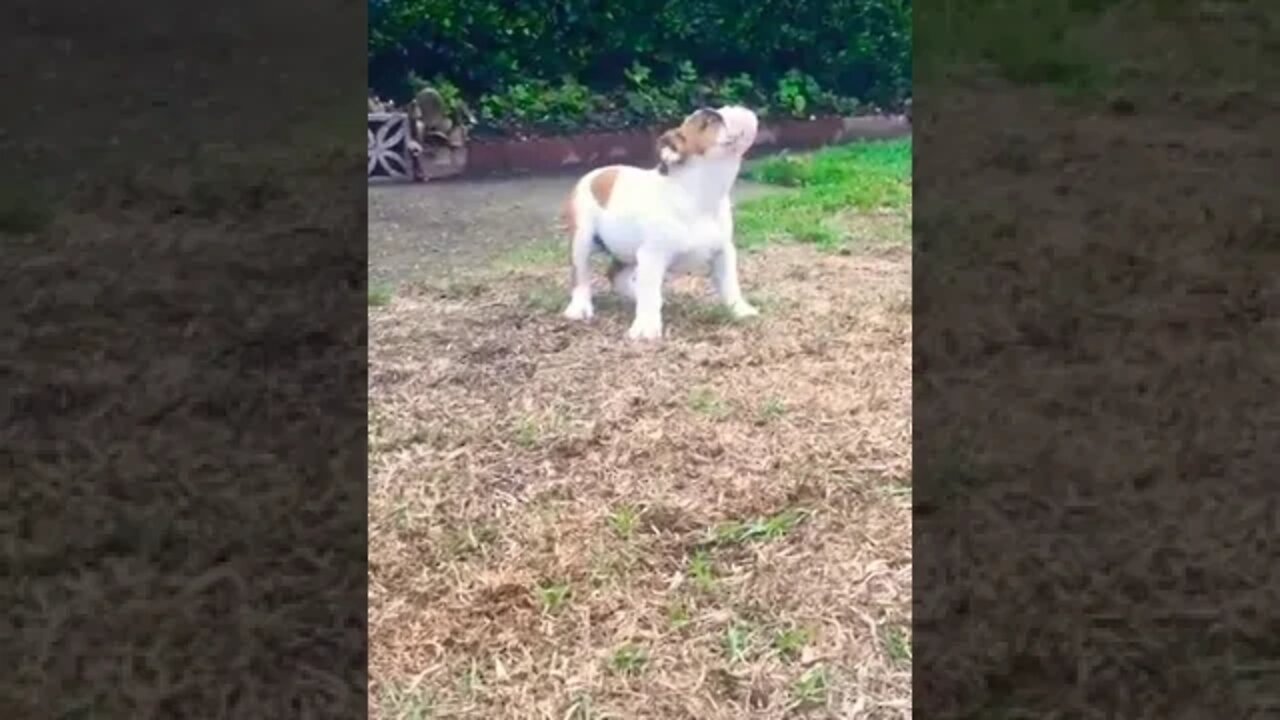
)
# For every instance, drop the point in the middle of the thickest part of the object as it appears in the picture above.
(837, 192)
(553, 596)
(678, 615)
(546, 299)
(702, 571)
(772, 409)
(737, 642)
(407, 704)
(471, 540)
(536, 253)
(527, 433)
(629, 660)
(762, 529)
(379, 296)
(704, 401)
(897, 646)
(624, 521)
(810, 689)
(790, 642)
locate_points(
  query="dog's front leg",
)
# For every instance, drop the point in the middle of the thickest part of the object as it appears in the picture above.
(650, 270)
(724, 272)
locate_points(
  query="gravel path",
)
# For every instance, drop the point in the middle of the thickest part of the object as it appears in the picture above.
(418, 231)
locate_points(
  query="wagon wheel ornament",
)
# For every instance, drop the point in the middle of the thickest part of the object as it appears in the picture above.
(387, 143)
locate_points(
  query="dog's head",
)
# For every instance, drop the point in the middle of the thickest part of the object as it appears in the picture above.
(708, 134)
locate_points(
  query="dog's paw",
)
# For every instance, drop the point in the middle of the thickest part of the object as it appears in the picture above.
(642, 329)
(742, 310)
(579, 311)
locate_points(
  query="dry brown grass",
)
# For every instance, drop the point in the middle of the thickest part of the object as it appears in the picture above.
(566, 525)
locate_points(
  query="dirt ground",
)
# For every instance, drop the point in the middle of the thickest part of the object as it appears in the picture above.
(567, 525)
(416, 231)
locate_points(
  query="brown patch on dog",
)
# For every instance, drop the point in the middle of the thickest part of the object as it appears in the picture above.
(672, 141)
(695, 136)
(700, 130)
(602, 185)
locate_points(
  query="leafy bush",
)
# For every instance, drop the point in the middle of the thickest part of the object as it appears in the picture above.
(555, 64)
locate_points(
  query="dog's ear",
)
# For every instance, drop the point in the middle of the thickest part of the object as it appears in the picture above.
(671, 149)
(700, 131)
(704, 119)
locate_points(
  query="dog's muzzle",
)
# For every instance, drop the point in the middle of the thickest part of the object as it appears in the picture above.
(741, 125)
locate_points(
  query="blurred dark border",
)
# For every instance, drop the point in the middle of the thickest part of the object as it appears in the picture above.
(1097, 240)
(182, 211)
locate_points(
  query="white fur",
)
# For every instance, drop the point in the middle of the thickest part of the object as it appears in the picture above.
(657, 224)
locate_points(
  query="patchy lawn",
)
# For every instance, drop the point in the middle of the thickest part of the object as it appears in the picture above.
(567, 525)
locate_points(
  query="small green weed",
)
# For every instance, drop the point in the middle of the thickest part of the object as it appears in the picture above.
(761, 529)
(624, 521)
(379, 296)
(629, 660)
(899, 491)
(678, 615)
(704, 313)
(897, 645)
(545, 299)
(810, 689)
(528, 433)
(702, 571)
(471, 540)
(790, 642)
(552, 597)
(772, 409)
(737, 642)
(704, 401)
(581, 708)
(407, 703)
(472, 680)
(539, 253)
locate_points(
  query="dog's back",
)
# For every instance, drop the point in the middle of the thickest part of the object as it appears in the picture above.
(612, 203)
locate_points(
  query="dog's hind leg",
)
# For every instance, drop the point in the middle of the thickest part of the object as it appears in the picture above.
(581, 240)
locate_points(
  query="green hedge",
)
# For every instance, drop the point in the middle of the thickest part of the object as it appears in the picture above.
(548, 64)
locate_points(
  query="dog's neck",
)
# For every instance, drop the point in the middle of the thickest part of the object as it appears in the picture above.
(706, 183)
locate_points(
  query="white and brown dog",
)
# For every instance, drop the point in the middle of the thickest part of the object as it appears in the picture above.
(672, 218)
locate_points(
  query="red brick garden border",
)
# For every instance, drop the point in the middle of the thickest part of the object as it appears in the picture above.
(555, 154)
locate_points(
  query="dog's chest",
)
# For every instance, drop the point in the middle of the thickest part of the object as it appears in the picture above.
(685, 241)
(692, 250)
